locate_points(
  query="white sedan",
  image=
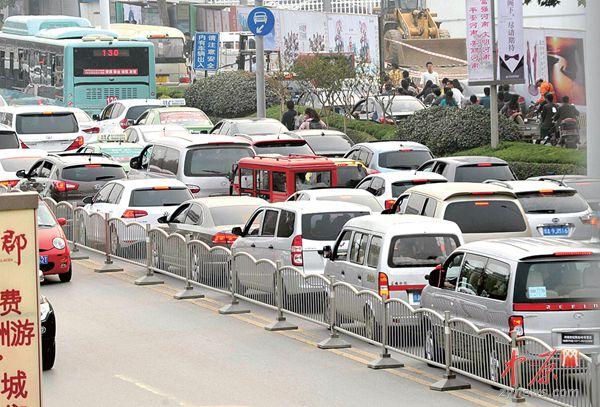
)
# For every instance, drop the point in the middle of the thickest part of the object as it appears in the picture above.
(15, 159)
(356, 196)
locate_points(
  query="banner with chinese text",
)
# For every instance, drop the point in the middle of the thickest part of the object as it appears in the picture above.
(479, 41)
(510, 41)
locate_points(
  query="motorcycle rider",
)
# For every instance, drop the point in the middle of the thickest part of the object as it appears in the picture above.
(548, 112)
(567, 123)
(566, 111)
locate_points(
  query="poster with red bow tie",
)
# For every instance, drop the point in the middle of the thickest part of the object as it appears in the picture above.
(510, 42)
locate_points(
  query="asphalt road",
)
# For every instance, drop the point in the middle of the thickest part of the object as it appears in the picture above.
(123, 345)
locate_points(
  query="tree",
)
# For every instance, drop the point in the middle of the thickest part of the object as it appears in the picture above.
(552, 3)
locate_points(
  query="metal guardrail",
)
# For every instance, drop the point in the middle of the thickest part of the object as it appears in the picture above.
(519, 366)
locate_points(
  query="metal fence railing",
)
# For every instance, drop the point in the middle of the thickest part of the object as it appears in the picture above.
(519, 366)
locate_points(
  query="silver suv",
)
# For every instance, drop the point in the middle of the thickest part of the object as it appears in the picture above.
(202, 162)
(470, 169)
(545, 288)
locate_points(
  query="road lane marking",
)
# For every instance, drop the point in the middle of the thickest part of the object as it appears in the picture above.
(153, 390)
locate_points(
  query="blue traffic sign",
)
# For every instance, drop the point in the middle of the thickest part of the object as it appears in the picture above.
(206, 51)
(261, 21)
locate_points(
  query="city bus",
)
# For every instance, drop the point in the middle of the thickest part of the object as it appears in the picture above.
(169, 50)
(65, 61)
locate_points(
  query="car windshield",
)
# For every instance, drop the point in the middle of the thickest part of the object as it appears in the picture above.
(15, 164)
(46, 123)
(168, 48)
(93, 172)
(8, 139)
(158, 196)
(404, 160)
(332, 144)
(134, 112)
(312, 180)
(215, 160)
(183, 118)
(398, 188)
(478, 173)
(486, 216)
(350, 175)
(231, 215)
(366, 200)
(556, 202)
(326, 226)
(258, 128)
(557, 281)
(421, 250)
(44, 216)
(298, 147)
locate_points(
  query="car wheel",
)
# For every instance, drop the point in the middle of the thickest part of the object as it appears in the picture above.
(66, 277)
(48, 355)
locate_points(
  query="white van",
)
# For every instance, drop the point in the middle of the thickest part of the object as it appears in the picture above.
(391, 255)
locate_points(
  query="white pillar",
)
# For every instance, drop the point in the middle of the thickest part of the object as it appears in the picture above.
(104, 14)
(592, 73)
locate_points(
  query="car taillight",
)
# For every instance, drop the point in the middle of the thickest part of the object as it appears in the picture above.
(224, 238)
(296, 251)
(92, 130)
(194, 189)
(65, 186)
(9, 183)
(568, 254)
(517, 324)
(78, 142)
(389, 203)
(134, 213)
(383, 286)
(372, 171)
(484, 164)
(590, 219)
(23, 145)
(184, 79)
(124, 124)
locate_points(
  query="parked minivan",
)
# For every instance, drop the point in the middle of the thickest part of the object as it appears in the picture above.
(481, 211)
(548, 289)
(202, 162)
(391, 255)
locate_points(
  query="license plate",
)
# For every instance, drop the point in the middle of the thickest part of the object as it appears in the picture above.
(43, 260)
(162, 78)
(414, 298)
(555, 230)
(577, 339)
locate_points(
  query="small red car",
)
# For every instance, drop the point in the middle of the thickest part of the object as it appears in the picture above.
(55, 256)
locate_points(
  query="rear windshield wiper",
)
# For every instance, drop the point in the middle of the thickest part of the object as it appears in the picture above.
(103, 177)
(542, 211)
(171, 204)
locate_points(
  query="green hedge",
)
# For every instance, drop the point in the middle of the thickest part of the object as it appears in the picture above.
(164, 92)
(524, 170)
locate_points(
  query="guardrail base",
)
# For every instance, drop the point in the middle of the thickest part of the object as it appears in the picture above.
(108, 268)
(385, 361)
(516, 401)
(233, 308)
(449, 383)
(148, 280)
(333, 342)
(187, 294)
(281, 325)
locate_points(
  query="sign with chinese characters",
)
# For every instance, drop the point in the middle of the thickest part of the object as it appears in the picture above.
(206, 51)
(20, 371)
(480, 47)
(511, 49)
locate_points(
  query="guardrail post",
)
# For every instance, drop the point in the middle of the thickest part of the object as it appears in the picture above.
(517, 397)
(234, 306)
(149, 278)
(281, 324)
(595, 379)
(108, 266)
(75, 252)
(334, 341)
(450, 381)
(188, 291)
(385, 360)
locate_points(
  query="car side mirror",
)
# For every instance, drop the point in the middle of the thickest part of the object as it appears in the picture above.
(163, 219)
(327, 253)
(61, 221)
(95, 117)
(135, 163)
(388, 211)
(434, 276)
(88, 200)
(237, 231)
(356, 115)
(130, 122)
(21, 174)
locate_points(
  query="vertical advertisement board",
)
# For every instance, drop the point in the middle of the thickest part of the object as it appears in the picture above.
(20, 367)
(480, 47)
(510, 41)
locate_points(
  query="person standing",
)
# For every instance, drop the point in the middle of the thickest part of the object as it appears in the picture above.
(485, 100)
(395, 74)
(430, 75)
(456, 91)
(545, 88)
(547, 116)
(312, 120)
(448, 100)
(289, 117)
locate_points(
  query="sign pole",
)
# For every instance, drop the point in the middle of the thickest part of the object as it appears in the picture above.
(260, 72)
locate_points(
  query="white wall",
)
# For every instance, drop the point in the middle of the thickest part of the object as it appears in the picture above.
(567, 15)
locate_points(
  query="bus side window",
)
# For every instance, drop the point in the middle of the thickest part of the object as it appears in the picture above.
(11, 65)
(3, 63)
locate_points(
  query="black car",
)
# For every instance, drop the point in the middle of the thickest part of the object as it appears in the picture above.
(48, 321)
(70, 176)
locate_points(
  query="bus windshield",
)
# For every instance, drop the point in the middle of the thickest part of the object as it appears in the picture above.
(170, 49)
(114, 61)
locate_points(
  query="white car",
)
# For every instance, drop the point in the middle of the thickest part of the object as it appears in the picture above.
(141, 201)
(13, 160)
(120, 114)
(148, 133)
(87, 125)
(388, 186)
(50, 128)
(356, 196)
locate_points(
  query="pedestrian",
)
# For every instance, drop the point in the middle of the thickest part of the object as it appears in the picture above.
(566, 111)
(547, 116)
(512, 110)
(435, 98)
(312, 120)
(406, 75)
(430, 75)
(406, 89)
(456, 91)
(445, 83)
(485, 100)
(289, 118)
(395, 74)
(545, 88)
(427, 90)
(448, 100)
(472, 101)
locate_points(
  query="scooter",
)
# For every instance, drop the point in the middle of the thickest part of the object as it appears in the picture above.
(568, 131)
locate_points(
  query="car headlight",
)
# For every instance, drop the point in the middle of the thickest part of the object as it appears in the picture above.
(45, 308)
(58, 243)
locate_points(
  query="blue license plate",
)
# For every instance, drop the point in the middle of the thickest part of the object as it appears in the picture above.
(414, 298)
(555, 230)
(43, 260)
